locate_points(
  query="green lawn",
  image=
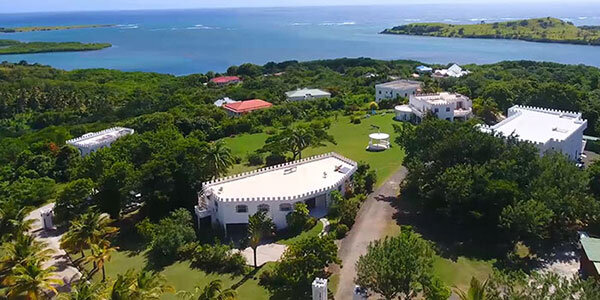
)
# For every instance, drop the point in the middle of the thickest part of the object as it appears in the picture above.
(309, 233)
(458, 274)
(352, 140)
(182, 277)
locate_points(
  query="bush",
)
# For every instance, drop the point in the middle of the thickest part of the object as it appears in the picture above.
(275, 159)
(299, 219)
(255, 159)
(214, 258)
(340, 231)
(170, 234)
(145, 229)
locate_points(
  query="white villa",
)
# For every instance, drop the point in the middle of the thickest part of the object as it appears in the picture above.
(274, 190)
(454, 71)
(93, 141)
(547, 129)
(398, 88)
(306, 94)
(448, 106)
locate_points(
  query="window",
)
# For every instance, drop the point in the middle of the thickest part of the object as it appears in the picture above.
(436, 110)
(379, 92)
(241, 208)
(447, 108)
(285, 207)
(263, 208)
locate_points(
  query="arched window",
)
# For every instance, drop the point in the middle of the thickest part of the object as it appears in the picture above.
(241, 208)
(285, 207)
(263, 207)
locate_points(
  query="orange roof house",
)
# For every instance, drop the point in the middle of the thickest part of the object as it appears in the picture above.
(244, 107)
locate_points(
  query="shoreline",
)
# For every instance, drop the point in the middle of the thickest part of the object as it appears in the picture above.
(51, 28)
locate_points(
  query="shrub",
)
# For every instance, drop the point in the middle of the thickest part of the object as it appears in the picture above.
(275, 159)
(145, 229)
(170, 234)
(255, 159)
(214, 258)
(341, 230)
(299, 219)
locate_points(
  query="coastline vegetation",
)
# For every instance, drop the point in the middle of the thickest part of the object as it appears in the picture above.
(16, 47)
(546, 30)
(50, 28)
(179, 130)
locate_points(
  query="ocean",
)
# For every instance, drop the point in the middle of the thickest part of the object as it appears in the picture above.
(200, 40)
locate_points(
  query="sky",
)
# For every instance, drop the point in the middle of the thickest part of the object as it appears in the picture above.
(11, 6)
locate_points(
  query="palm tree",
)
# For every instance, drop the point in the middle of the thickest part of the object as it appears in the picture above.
(89, 229)
(99, 256)
(259, 226)
(32, 281)
(150, 285)
(477, 290)
(22, 250)
(219, 159)
(121, 288)
(12, 219)
(213, 291)
(85, 290)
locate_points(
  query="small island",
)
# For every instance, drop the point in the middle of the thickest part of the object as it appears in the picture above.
(17, 47)
(50, 28)
(547, 30)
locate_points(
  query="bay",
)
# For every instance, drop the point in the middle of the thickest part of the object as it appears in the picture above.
(200, 40)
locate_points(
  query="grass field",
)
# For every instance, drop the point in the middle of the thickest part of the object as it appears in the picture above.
(182, 277)
(351, 139)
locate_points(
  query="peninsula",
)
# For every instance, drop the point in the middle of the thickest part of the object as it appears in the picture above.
(547, 30)
(17, 47)
(50, 28)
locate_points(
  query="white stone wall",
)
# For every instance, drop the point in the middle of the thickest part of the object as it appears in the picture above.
(382, 92)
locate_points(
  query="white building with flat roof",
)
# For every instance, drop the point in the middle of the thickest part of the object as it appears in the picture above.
(274, 190)
(447, 106)
(398, 88)
(93, 141)
(306, 94)
(547, 129)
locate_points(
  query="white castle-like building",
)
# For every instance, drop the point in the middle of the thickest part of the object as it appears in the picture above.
(394, 89)
(447, 106)
(93, 141)
(547, 129)
(274, 190)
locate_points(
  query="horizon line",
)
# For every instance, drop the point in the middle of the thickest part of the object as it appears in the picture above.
(435, 2)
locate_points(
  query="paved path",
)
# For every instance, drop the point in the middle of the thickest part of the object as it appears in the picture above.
(371, 223)
(64, 269)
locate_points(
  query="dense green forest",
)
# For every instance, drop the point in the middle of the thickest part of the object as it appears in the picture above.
(16, 47)
(549, 30)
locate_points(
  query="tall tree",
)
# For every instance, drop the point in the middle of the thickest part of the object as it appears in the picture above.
(22, 250)
(86, 290)
(218, 159)
(74, 200)
(296, 139)
(213, 291)
(99, 256)
(32, 281)
(90, 228)
(259, 227)
(400, 266)
(149, 285)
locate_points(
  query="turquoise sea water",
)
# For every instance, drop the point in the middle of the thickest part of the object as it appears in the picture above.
(191, 41)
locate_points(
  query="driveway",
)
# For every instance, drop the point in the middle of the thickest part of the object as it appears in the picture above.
(64, 269)
(373, 219)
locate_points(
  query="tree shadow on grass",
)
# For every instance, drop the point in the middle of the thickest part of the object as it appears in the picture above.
(452, 240)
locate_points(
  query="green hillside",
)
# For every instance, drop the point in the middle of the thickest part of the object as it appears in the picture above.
(549, 30)
(16, 47)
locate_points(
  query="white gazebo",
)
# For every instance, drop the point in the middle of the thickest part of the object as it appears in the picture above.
(379, 141)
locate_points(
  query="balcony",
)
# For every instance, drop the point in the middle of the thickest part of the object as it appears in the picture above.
(463, 112)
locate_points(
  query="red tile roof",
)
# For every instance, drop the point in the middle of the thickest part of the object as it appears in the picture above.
(225, 79)
(247, 106)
